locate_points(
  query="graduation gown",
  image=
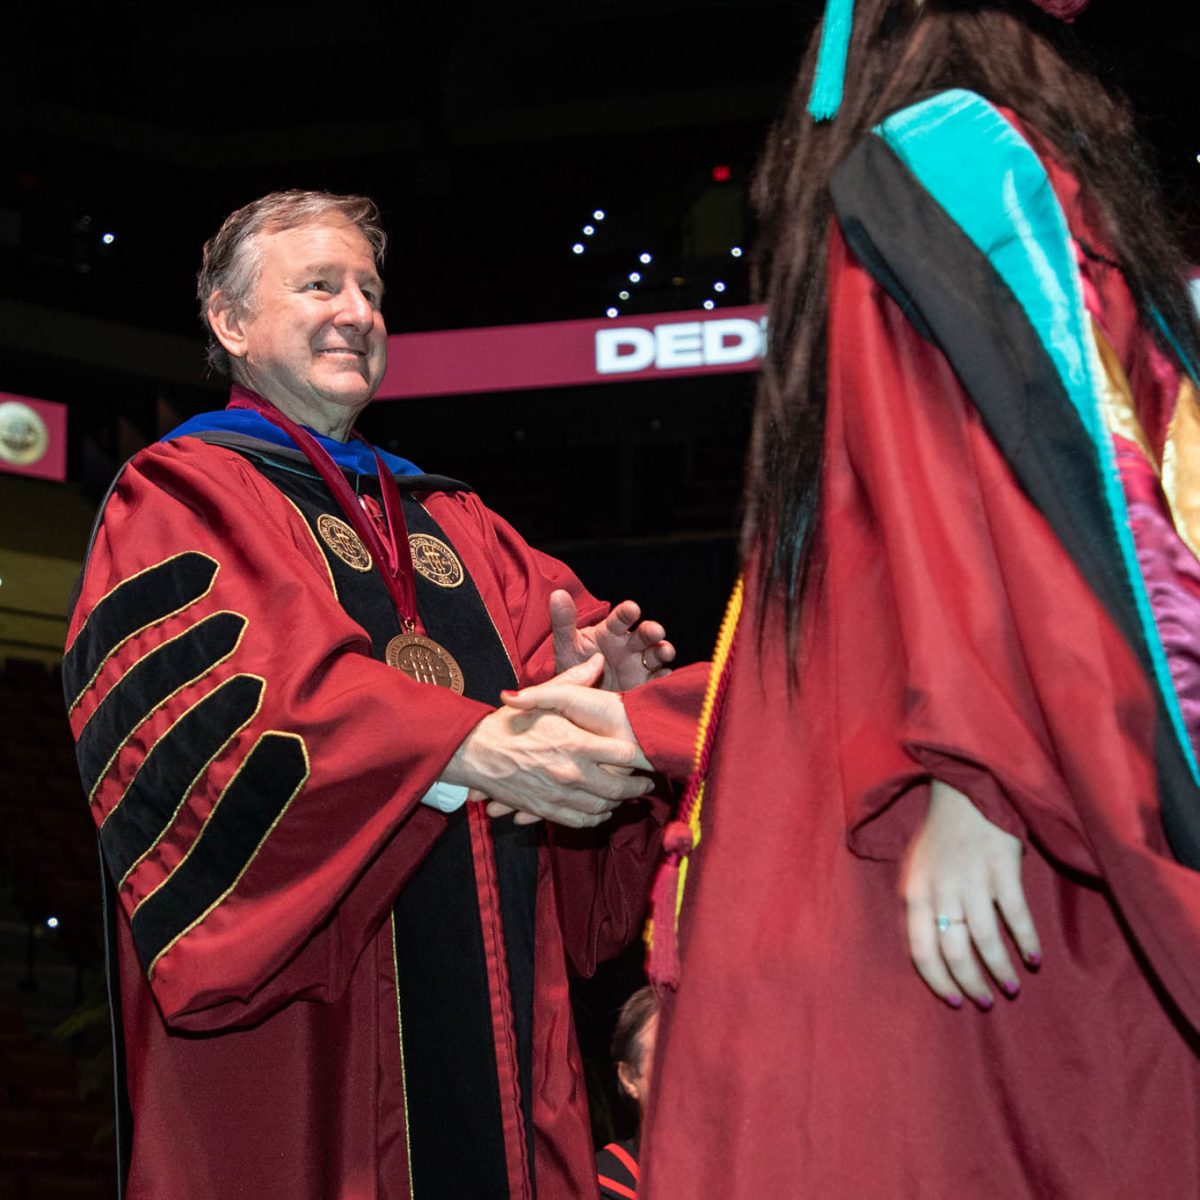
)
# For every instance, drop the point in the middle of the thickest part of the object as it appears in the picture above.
(318, 981)
(1004, 599)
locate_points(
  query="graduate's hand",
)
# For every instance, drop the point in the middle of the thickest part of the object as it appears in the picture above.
(632, 652)
(538, 763)
(962, 867)
(589, 708)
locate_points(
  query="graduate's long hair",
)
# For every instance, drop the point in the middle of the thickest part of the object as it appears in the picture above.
(1012, 54)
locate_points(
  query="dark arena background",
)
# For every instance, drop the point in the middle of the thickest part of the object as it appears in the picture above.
(536, 163)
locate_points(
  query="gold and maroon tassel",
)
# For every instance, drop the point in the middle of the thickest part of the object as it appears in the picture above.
(682, 835)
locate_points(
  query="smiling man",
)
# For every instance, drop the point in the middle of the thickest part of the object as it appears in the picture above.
(336, 972)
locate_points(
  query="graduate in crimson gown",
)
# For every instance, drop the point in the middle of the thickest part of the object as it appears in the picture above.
(929, 921)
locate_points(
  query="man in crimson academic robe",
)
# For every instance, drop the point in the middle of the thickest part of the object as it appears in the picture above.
(335, 972)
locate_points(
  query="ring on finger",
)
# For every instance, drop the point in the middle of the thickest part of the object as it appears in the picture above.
(649, 668)
(944, 922)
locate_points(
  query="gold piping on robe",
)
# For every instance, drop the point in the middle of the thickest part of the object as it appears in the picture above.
(208, 670)
(403, 1067)
(277, 733)
(191, 787)
(150, 625)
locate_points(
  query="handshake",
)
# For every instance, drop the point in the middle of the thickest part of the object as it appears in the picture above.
(564, 750)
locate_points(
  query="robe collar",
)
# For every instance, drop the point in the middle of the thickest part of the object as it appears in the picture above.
(354, 455)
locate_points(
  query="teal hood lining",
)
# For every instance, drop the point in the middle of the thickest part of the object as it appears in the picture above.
(989, 181)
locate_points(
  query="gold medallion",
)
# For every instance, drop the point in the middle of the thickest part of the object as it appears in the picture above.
(424, 660)
(435, 560)
(24, 438)
(344, 542)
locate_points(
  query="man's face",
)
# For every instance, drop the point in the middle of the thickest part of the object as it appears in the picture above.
(314, 338)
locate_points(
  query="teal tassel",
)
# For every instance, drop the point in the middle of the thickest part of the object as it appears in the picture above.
(826, 97)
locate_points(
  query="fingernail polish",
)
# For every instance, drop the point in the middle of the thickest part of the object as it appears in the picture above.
(506, 693)
(985, 1002)
(1034, 959)
(1011, 987)
(954, 1001)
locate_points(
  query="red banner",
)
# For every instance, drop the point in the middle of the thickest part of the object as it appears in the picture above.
(504, 358)
(33, 437)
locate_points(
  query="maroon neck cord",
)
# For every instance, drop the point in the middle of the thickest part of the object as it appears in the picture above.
(393, 557)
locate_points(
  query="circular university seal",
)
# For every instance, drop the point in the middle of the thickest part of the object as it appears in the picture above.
(435, 560)
(424, 660)
(344, 542)
(24, 437)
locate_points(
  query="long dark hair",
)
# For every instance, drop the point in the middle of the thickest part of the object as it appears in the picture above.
(1012, 54)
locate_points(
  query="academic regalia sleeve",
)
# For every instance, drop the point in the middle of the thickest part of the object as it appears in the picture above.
(254, 773)
(664, 714)
(970, 645)
(935, 672)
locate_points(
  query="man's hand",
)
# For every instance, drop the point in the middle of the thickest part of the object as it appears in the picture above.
(586, 707)
(546, 767)
(631, 655)
(959, 871)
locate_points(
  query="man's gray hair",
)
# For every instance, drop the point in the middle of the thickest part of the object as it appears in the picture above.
(233, 256)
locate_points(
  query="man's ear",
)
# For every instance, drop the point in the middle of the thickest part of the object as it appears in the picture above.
(629, 1081)
(228, 323)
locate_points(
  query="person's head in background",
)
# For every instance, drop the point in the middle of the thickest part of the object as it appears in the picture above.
(633, 1046)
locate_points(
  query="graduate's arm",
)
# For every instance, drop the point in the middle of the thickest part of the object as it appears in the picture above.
(664, 715)
(1019, 690)
(955, 796)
